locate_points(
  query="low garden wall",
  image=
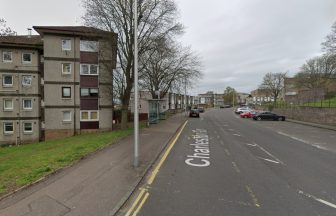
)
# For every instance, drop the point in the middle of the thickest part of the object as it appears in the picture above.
(316, 115)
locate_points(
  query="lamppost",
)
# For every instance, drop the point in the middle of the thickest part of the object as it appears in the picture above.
(136, 91)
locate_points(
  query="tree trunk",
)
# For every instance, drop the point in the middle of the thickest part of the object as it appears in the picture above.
(124, 117)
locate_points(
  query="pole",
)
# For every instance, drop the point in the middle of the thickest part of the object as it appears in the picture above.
(185, 96)
(136, 95)
(158, 106)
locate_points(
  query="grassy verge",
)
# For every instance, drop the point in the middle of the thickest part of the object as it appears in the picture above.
(22, 165)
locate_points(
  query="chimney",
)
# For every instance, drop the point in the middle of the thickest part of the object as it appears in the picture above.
(29, 32)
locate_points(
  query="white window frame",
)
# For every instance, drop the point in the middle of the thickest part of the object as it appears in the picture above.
(25, 84)
(3, 81)
(23, 104)
(4, 104)
(89, 72)
(64, 72)
(66, 97)
(3, 56)
(67, 120)
(4, 128)
(27, 62)
(89, 115)
(24, 127)
(66, 48)
(85, 46)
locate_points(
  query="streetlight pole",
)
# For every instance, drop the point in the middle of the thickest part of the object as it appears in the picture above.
(136, 91)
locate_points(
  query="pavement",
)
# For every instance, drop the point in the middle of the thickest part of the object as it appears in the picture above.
(98, 184)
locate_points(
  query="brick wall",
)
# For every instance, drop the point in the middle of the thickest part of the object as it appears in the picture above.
(317, 115)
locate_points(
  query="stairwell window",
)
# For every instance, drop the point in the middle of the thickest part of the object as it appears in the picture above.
(66, 68)
(66, 44)
(66, 116)
(66, 92)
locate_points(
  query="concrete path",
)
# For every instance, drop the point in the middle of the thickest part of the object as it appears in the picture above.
(97, 185)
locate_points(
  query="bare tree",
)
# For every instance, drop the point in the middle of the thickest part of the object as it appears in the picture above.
(4, 29)
(168, 66)
(317, 72)
(329, 45)
(229, 95)
(157, 18)
(274, 83)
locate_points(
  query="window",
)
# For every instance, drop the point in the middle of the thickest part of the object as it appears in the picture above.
(89, 115)
(27, 104)
(66, 68)
(89, 69)
(27, 127)
(7, 80)
(66, 44)
(7, 56)
(26, 58)
(66, 116)
(92, 92)
(8, 104)
(8, 128)
(26, 80)
(89, 46)
(66, 92)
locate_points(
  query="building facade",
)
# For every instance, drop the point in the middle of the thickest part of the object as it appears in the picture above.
(58, 86)
(20, 94)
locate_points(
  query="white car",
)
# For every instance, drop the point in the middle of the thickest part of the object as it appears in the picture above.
(242, 109)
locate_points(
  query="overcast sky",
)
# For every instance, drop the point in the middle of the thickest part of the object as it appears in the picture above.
(239, 40)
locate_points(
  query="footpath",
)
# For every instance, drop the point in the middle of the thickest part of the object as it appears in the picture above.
(97, 185)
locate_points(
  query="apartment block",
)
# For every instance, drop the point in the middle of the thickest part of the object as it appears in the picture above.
(19, 90)
(56, 84)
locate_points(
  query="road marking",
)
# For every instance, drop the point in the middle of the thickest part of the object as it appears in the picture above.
(142, 191)
(269, 160)
(253, 145)
(227, 152)
(141, 204)
(236, 135)
(230, 129)
(253, 196)
(235, 167)
(268, 153)
(318, 199)
(157, 168)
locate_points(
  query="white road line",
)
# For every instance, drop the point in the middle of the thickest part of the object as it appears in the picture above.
(316, 145)
(236, 135)
(249, 144)
(269, 154)
(318, 199)
(269, 160)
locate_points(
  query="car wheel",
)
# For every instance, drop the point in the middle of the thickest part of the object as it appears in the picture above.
(259, 118)
(245, 116)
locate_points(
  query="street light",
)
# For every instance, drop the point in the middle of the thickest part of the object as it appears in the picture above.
(136, 91)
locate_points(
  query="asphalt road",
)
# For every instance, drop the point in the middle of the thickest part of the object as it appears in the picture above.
(224, 165)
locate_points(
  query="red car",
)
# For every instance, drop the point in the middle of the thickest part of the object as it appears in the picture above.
(248, 114)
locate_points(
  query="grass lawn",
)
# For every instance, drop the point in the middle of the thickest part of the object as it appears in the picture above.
(24, 164)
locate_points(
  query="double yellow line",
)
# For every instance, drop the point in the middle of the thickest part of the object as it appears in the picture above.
(143, 195)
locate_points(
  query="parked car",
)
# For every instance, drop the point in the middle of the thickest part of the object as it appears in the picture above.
(269, 116)
(248, 114)
(194, 113)
(242, 109)
(225, 106)
(201, 109)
